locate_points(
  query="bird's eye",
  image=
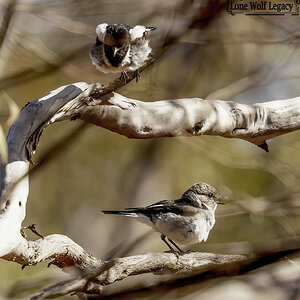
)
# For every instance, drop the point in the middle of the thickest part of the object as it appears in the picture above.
(210, 195)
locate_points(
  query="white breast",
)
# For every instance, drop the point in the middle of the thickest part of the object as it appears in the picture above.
(184, 230)
(137, 32)
(203, 227)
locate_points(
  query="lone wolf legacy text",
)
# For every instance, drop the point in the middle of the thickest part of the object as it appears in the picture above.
(263, 7)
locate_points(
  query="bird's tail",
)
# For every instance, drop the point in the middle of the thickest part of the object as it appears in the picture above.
(120, 213)
(150, 28)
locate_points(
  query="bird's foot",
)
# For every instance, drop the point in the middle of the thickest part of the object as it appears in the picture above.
(23, 233)
(55, 263)
(32, 228)
(137, 76)
(124, 76)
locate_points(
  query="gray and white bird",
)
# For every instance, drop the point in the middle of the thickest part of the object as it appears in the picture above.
(120, 48)
(187, 220)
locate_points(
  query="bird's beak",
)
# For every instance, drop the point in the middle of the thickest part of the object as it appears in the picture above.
(115, 50)
(221, 203)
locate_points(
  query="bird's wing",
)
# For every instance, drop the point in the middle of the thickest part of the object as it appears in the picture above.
(157, 205)
(139, 31)
(100, 31)
(166, 206)
(160, 204)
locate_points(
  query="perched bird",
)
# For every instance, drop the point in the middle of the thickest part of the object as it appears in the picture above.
(120, 48)
(187, 220)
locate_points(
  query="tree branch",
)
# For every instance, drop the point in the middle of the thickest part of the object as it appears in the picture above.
(121, 268)
(233, 268)
(187, 117)
(65, 252)
(14, 186)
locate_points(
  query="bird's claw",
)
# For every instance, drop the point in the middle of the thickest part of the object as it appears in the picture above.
(124, 76)
(137, 76)
(23, 233)
(33, 229)
(55, 263)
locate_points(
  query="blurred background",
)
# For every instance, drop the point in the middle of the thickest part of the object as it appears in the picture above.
(44, 44)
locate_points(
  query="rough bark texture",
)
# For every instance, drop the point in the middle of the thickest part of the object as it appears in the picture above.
(157, 263)
(65, 252)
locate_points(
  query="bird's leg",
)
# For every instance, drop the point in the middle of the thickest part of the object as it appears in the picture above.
(163, 237)
(124, 76)
(137, 76)
(176, 246)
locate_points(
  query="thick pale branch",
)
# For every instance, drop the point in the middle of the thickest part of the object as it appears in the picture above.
(21, 141)
(188, 117)
(62, 249)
